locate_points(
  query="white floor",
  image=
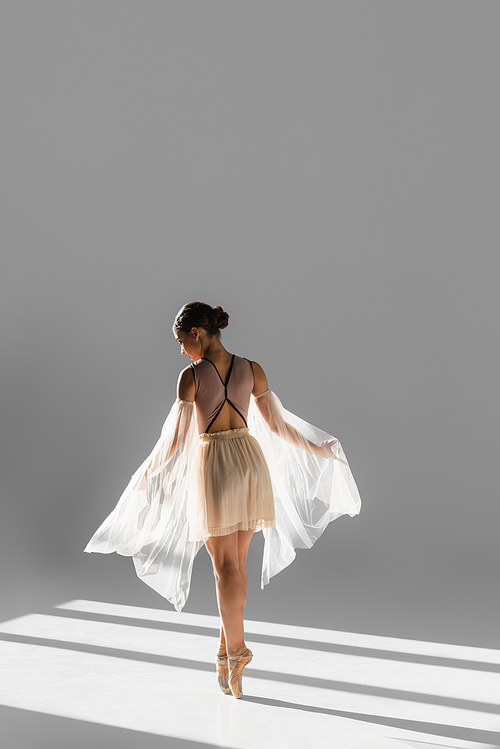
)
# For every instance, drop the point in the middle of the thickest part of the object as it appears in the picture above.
(152, 671)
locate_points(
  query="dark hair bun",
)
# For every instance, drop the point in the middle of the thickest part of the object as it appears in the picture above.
(221, 318)
(201, 315)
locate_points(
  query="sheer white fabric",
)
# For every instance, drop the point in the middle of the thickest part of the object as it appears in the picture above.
(309, 491)
(151, 520)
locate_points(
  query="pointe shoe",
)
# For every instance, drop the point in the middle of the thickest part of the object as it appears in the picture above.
(222, 672)
(236, 665)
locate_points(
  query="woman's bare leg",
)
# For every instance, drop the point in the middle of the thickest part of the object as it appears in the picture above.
(231, 584)
(244, 538)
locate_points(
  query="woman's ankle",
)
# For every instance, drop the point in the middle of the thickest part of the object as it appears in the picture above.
(237, 652)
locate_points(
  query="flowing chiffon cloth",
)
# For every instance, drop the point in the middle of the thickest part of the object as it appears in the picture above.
(151, 521)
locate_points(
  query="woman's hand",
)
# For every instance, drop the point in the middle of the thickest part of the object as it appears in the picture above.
(325, 449)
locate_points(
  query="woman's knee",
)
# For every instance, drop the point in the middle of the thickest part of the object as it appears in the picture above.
(223, 550)
(225, 566)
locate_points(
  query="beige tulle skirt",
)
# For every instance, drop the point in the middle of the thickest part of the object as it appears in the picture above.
(230, 486)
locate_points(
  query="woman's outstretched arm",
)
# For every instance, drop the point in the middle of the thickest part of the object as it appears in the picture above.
(278, 425)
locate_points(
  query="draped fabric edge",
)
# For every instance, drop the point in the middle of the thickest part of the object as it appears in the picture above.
(309, 491)
(150, 522)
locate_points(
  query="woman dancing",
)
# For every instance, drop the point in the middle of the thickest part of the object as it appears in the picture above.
(230, 461)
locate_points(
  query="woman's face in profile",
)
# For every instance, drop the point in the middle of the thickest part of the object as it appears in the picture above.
(189, 343)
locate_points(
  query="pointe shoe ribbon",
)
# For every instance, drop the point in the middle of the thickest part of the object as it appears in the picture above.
(236, 665)
(222, 673)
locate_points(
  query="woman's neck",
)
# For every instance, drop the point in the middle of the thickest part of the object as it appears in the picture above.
(215, 350)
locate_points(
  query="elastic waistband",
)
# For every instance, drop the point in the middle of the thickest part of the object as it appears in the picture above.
(226, 434)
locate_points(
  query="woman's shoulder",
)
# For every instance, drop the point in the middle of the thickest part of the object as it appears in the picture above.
(255, 365)
(259, 378)
(251, 361)
(186, 384)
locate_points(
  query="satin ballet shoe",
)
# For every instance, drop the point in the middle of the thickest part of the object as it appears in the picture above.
(236, 665)
(222, 672)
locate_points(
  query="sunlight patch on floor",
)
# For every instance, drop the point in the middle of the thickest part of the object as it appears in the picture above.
(153, 671)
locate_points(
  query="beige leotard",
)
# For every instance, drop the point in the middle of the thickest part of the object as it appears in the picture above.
(212, 392)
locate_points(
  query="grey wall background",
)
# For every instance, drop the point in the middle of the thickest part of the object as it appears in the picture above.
(328, 173)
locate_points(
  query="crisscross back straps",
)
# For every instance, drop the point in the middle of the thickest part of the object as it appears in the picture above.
(225, 392)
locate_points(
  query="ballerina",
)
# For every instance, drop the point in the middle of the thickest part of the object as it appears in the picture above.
(230, 461)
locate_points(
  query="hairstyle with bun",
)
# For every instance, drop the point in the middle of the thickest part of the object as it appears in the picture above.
(201, 315)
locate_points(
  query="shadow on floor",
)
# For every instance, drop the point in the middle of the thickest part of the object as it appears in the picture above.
(327, 647)
(305, 681)
(490, 738)
(25, 728)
